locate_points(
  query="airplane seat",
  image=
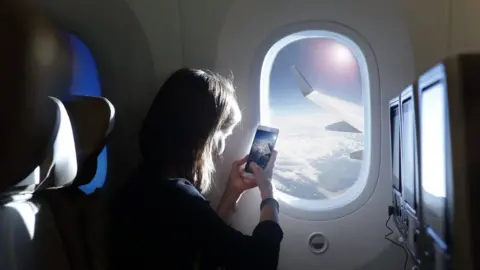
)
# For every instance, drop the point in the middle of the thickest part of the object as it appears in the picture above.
(35, 64)
(82, 218)
(36, 141)
(29, 238)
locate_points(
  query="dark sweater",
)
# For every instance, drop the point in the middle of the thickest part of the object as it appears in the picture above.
(168, 224)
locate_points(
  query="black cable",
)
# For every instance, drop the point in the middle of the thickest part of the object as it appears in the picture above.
(395, 243)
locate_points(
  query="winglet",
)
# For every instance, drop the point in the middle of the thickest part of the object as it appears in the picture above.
(305, 87)
(358, 155)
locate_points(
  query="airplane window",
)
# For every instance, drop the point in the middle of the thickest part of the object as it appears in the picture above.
(316, 99)
(86, 82)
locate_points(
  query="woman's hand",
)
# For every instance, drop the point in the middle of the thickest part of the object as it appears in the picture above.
(263, 177)
(237, 183)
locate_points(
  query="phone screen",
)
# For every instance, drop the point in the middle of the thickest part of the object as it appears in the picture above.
(262, 147)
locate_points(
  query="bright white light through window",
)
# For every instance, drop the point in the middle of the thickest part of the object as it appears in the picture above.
(342, 55)
(316, 100)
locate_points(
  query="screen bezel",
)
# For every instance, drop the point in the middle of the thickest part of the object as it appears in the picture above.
(260, 128)
(395, 104)
(407, 96)
(429, 79)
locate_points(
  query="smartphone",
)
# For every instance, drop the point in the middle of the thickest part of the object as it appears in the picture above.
(262, 147)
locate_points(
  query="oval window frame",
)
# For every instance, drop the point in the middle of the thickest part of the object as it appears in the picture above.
(352, 200)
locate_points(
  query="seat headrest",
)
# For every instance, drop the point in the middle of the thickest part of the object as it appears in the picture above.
(35, 64)
(58, 167)
(64, 156)
(92, 121)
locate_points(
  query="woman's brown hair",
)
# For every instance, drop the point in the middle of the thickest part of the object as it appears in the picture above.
(178, 135)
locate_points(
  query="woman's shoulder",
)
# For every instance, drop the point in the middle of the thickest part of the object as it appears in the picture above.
(148, 180)
(183, 186)
(147, 186)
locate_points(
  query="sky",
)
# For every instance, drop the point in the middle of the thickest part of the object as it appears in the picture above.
(314, 163)
(313, 59)
(265, 136)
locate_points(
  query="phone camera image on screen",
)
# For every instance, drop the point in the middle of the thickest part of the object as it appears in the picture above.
(262, 148)
(433, 158)
(395, 133)
(408, 153)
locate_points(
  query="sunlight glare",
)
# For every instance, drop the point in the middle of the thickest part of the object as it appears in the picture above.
(341, 54)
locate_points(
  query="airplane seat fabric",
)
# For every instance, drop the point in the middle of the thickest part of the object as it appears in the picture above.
(81, 218)
(48, 242)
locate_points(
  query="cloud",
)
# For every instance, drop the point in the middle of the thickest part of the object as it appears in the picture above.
(312, 162)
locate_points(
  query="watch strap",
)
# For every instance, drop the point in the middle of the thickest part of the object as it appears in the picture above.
(269, 201)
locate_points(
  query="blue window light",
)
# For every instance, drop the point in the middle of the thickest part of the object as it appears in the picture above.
(86, 82)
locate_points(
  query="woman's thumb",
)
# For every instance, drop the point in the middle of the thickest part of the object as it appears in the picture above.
(254, 167)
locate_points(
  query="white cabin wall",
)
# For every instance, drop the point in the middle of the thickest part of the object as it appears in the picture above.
(428, 25)
(160, 21)
(201, 22)
(441, 27)
(465, 26)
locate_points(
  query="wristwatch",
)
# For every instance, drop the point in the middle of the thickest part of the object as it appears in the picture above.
(269, 201)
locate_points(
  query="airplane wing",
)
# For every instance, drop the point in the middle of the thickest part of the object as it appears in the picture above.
(342, 126)
(350, 113)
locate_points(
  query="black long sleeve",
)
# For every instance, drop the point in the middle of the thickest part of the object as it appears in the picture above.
(169, 225)
(224, 246)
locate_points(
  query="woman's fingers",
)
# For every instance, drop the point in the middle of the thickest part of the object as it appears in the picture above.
(241, 161)
(254, 168)
(249, 182)
(271, 161)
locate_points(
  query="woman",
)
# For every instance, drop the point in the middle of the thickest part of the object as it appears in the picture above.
(161, 220)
